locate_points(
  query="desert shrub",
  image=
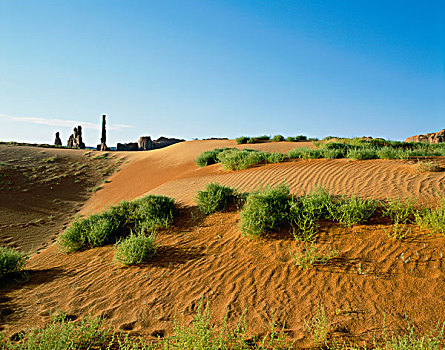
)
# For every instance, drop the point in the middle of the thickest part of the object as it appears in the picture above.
(353, 210)
(153, 212)
(399, 210)
(209, 157)
(135, 248)
(11, 261)
(361, 153)
(241, 140)
(262, 138)
(333, 153)
(306, 210)
(278, 138)
(235, 159)
(427, 166)
(290, 139)
(335, 145)
(432, 219)
(265, 210)
(62, 334)
(276, 157)
(388, 153)
(305, 153)
(214, 198)
(147, 213)
(310, 255)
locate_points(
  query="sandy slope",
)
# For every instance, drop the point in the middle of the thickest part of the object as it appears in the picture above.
(373, 277)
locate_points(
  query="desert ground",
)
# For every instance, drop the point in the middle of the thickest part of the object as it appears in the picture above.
(374, 283)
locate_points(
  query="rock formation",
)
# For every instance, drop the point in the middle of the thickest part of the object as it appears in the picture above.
(434, 137)
(132, 146)
(75, 140)
(57, 141)
(145, 143)
(103, 139)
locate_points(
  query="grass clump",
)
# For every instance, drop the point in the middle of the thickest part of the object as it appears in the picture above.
(305, 211)
(147, 213)
(209, 157)
(215, 198)
(11, 261)
(235, 159)
(432, 219)
(310, 255)
(265, 210)
(62, 334)
(135, 249)
(362, 153)
(353, 210)
(428, 166)
(400, 212)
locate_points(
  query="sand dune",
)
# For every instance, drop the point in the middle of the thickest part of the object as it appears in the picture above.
(373, 280)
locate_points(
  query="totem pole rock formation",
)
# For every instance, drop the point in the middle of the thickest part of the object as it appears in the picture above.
(103, 139)
(75, 140)
(57, 141)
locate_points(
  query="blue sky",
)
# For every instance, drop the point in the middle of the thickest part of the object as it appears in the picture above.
(197, 69)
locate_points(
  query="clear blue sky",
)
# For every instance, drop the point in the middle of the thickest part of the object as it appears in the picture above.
(197, 69)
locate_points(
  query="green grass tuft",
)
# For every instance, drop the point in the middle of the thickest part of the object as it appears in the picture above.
(11, 261)
(353, 210)
(135, 249)
(265, 210)
(215, 198)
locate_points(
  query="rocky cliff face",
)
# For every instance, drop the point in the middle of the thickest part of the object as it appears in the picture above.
(434, 137)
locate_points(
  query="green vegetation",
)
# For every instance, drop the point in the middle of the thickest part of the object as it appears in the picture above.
(355, 149)
(11, 261)
(310, 255)
(135, 249)
(215, 198)
(61, 334)
(278, 138)
(242, 140)
(306, 210)
(432, 219)
(428, 166)
(353, 210)
(265, 210)
(145, 214)
(209, 157)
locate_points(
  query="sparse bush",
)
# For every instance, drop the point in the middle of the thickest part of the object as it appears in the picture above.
(242, 140)
(209, 157)
(290, 139)
(398, 210)
(215, 198)
(305, 153)
(276, 157)
(310, 255)
(11, 261)
(89, 333)
(361, 153)
(306, 210)
(278, 138)
(353, 210)
(135, 249)
(432, 219)
(301, 138)
(235, 159)
(265, 210)
(147, 213)
(427, 166)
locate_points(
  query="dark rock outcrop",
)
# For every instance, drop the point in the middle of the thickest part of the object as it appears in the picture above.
(434, 137)
(57, 141)
(103, 139)
(75, 140)
(145, 143)
(132, 146)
